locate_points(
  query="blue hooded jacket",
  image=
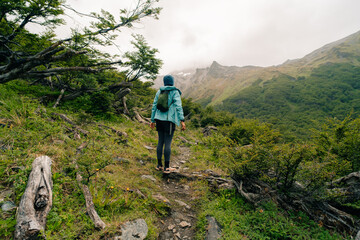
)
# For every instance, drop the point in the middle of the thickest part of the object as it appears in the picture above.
(175, 113)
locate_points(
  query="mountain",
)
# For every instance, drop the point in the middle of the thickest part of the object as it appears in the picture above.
(214, 84)
(325, 83)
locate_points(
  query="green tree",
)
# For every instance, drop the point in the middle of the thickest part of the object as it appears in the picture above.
(143, 62)
(46, 55)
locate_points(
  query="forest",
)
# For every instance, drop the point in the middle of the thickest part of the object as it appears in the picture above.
(289, 152)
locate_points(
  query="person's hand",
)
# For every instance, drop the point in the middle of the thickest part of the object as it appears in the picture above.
(152, 125)
(183, 126)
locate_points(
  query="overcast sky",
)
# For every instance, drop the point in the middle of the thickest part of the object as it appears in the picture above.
(193, 33)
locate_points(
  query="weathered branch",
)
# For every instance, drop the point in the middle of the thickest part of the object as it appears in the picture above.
(65, 118)
(90, 207)
(123, 92)
(126, 110)
(36, 202)
(59, 98)
(140, 118)
(255, 191)
(117, 132)
(117, 86)
(55, 71)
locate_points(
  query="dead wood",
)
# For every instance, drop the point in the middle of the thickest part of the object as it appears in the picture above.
(36, 202)
(90, 207)
(117, 132)
(126, 110)
(59, 98)
(68, 120)
(118, 86)
(140, 118)
(321, 211)
(123, 92)
(207, 131)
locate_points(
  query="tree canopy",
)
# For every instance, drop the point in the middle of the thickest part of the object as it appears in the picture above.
(24, 54)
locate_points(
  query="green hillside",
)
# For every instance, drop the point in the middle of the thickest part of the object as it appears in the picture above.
(119, 171)
(89, 112)
(332, 90)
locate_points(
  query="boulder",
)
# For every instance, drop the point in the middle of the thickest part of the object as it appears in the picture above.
(133, 230)
(213, 230)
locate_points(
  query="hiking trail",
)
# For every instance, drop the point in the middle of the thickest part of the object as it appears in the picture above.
(181, 221)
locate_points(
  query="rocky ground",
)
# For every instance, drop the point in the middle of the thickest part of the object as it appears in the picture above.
(181, 222)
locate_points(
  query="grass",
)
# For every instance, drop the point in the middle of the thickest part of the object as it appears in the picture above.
(112, 168)
(240, 220)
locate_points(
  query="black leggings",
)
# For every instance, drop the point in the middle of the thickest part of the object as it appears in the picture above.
(164, 139)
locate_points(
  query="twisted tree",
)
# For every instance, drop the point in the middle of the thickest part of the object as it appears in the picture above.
(24, 54)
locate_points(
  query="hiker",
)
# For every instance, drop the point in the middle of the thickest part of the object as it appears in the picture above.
(166, 112)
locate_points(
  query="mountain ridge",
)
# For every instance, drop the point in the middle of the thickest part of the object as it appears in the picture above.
(214, 84)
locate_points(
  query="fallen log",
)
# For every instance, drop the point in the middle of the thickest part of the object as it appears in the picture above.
(36, 202)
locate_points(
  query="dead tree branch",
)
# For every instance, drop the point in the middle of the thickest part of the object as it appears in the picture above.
(90, 207)
(59, 98)
(68, 120)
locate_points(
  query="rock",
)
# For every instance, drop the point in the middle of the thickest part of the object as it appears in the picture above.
(178, 235)
(357, 236)
(149, 148)
(161, 198)
(121, 160)
(182, 204)
(179, 217)
(148, 177)
(4, 194)
(184, 224)
(213, 229)
(183, 139)
(171, 227)
(133, 230)
(165, 235)
(8, 206)
(182, 162)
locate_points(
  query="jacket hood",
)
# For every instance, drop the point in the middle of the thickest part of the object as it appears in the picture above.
(169, 88)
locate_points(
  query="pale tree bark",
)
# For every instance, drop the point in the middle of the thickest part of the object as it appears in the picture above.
(59, 98)
(36, 202)
(90, 207)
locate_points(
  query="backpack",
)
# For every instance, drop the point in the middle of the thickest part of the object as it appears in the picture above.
(162, 103)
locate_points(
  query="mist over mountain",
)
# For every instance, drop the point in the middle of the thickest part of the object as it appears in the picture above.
(216, 82)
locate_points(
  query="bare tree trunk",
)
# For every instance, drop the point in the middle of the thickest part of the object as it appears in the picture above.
(90, 208)
(36, 202)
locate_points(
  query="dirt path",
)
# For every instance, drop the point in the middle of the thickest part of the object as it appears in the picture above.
(181, 222)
